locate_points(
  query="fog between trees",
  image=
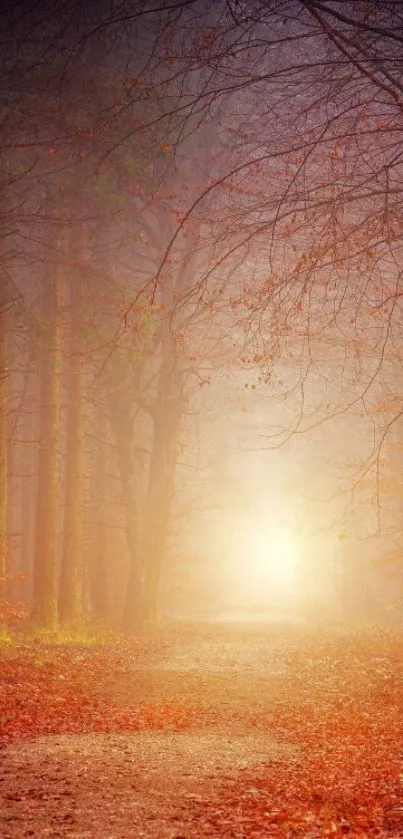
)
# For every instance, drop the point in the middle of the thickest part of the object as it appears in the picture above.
(201, 256)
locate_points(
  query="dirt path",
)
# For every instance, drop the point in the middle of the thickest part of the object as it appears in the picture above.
(230, 721)
(104, 786)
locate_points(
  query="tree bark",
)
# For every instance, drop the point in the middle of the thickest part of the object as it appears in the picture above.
(98, 498)
(159, 503)
(44, 611)
(133, 612)
(26, 525)
(4, 326)
(71, 576)
(160, 492)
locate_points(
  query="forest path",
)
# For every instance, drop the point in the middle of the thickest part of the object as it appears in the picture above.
(205, 731)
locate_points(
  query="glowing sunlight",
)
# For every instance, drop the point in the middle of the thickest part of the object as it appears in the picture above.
(265, 565)
(275, 551)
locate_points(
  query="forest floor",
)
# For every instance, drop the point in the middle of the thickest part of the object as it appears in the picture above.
(230, 731)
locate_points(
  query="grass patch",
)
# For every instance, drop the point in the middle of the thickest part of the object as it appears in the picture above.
(5, 637)
(86, 635)
(62, 637)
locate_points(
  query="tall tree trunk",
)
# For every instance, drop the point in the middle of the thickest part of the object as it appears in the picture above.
(98, 499)
(71, 576)
(26, 525)
(121, 423)
(29, 465)
(4, 326)
(44, 611)
(158, 505)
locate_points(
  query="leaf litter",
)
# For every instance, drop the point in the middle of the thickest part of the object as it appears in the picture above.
(227, 732)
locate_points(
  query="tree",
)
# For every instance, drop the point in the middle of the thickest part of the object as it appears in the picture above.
(45, 564)
(99, 504)
(71, 577)
(319, 212)
(4, 360)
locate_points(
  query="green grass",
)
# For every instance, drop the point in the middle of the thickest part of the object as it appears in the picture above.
(5, 637)
(61, 637)
(86, 635)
